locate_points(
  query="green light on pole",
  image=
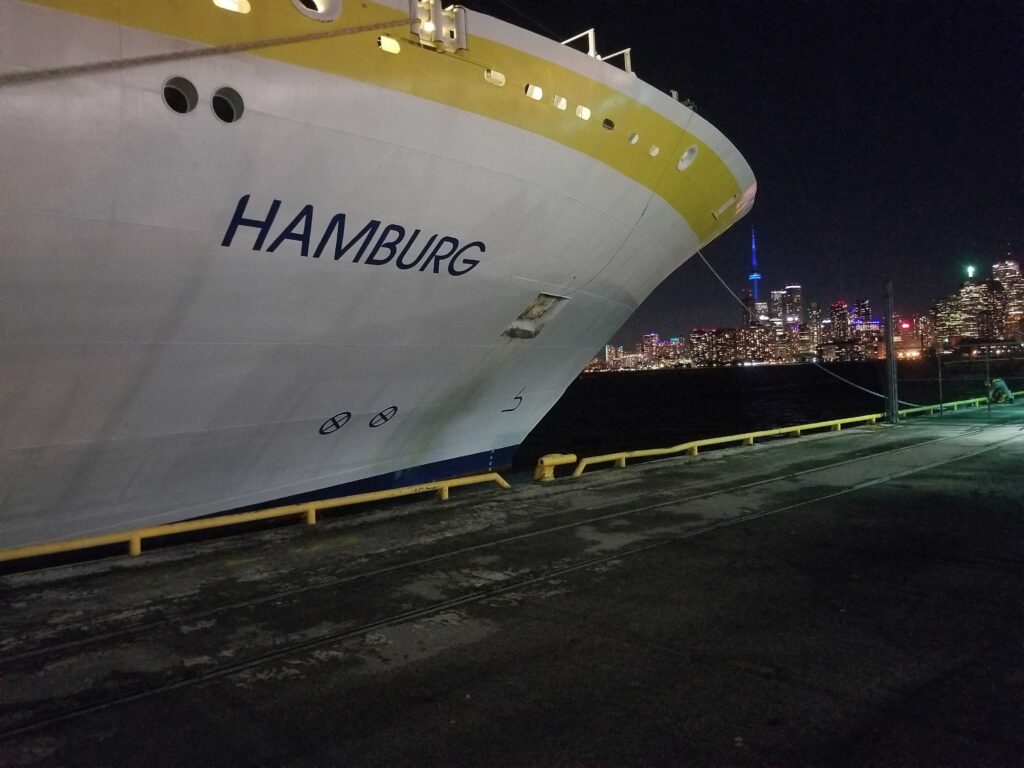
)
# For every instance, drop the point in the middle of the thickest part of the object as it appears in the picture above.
(970, 272)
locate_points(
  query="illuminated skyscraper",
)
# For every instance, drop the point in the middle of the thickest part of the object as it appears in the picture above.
(971, 300)
(777, 311)
(754, 312)
(947, 319)
(1008, 274)
(649, 346)
(814, 325)
(725, 345)
(755, 343)
(794, 305)
(761, 307)
(612, 355)
(717, 346)
(749, 310)
(839, 314)
(924, 331)
(787, 348)
(671, 349)
(860, 312)
(864, 329)
(982, 309)
(702, 346)
(992, 321)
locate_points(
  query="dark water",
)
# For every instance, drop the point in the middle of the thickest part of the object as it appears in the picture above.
(645, 409)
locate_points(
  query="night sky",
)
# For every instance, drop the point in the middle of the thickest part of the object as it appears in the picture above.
(886, 137)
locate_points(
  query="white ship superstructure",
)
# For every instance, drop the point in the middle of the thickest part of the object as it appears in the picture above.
(229, 279)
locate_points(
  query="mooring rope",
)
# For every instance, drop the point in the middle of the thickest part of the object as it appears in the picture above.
(816, 364)
(725, 285)
(75, 70)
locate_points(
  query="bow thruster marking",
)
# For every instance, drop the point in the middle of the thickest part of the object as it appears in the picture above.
(519, 401)
(335, 423)
(383, 417)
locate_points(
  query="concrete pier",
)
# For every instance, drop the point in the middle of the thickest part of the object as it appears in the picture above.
(842, 599)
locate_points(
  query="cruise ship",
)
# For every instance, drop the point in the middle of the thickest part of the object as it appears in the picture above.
(256, 249)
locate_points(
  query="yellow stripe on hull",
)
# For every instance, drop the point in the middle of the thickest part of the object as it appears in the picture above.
(702, 194)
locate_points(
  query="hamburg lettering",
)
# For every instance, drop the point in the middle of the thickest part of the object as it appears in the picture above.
(375, 243)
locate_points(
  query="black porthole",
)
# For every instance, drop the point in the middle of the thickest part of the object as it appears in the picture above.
(227, 105)
(180, 95)
(319, 10)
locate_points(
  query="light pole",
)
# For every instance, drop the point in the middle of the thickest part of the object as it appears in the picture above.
(892, 405)
(988, 381)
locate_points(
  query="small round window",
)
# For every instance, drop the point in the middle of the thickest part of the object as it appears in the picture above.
(180, 95)
(321, 10)
(227, 105)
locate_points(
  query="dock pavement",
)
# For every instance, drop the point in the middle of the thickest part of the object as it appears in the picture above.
(841, 599)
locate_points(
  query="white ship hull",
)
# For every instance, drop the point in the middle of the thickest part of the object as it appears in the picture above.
(158, 362)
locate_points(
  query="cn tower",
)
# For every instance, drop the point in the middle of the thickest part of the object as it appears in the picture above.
(754, 277)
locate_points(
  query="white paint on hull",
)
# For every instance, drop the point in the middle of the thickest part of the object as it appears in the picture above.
(147, 373)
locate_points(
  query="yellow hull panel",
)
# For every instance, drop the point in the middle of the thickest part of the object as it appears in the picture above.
(704, 194)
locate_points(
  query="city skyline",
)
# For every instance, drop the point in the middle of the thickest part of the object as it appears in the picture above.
(733, 313)
(722, 312)
(783, 329)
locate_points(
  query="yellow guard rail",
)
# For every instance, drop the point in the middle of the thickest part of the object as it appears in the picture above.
(545, 471)
(693, 447)
(308, 510)
(747, 438)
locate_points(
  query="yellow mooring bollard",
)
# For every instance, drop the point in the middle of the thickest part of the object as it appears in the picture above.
(545, 471)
